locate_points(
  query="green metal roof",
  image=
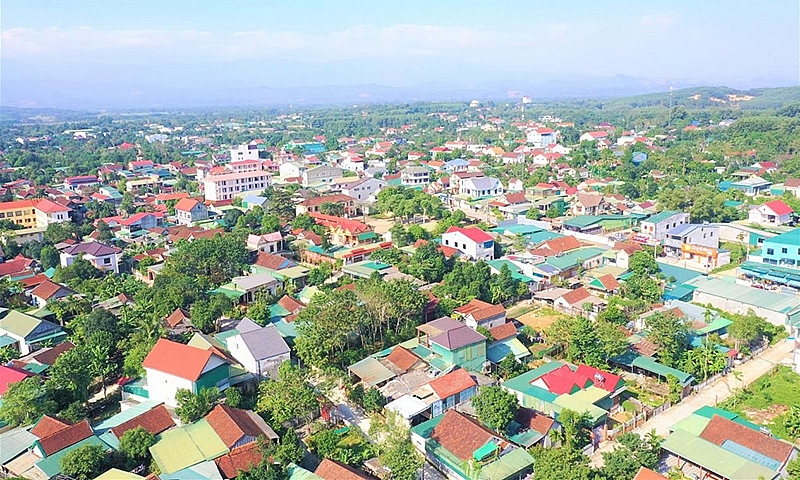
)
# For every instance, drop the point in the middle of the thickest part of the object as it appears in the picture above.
(694, 424)
(425, 429)
(487, 449)
(714, 458)
(522, 383)
(765, 299)
(681, 275)
(718, 324)
(51, 466)
(661, 216)
(185, 446)
(574, 257)
(633, 359)
(578, 404)
(19, 324)
(296, 472)
(206, 470)
(709, 411)
(507, 466)
(497, 351)
(371, 371)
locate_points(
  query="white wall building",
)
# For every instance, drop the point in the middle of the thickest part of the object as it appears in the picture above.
(244, 152)
(227, 185)
(472, 242)
(657, 226)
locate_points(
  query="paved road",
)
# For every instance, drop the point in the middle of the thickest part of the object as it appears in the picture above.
(713, 394)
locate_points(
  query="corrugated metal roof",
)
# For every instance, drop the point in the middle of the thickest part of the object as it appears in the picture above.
(371, 371)
(507, 465)
(51, 466)
(207, 470)
(714, 458)
(186, 446)
(15, 442)
(765, 299)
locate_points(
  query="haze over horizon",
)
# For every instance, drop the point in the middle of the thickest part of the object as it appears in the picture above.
(145, 54)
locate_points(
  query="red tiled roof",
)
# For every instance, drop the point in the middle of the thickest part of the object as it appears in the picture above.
(720, 429)
(563, 380)
(560, 244)
(233, 424)
(242, 458)
(186, 204)
(609, 282)
(475, 234)
(460, 435)
(333, 470)
(480, 310)
(290, 304)
(48, 425)
(65, 437)
(273, 262)
(11, 375)
(34, 280)
(348, 225)
(534, 420)
(779, 207)
(47, 206)
(515, 198)
(177, 359)
(792, 182)
(16, 266)
(452, 383)
(645, 347)
(48, 289)
(402, 358)
(177, 317)
(155, 421)
(501, 332)
(48, 356)
(647, 474)
(335, 198)
(609, 381)
(577, 295)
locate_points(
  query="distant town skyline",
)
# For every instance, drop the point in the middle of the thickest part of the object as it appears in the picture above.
(123, 51)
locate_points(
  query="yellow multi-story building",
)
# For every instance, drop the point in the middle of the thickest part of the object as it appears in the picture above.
(35, 213)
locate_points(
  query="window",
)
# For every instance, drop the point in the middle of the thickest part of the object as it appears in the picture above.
(106, 261)
(770, 251)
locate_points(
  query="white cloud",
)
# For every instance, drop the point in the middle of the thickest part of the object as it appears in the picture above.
(662, 19)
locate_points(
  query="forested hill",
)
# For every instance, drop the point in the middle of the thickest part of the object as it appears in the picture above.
(713, 97)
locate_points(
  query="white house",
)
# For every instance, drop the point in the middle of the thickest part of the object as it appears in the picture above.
(775, 212)
(354, 163)
(515, 185)
(260, 350)
(480, 187)
(190, 210)
(244, 152)
(102, 256)
(364, 190)
(227, 185)
(48, 212)
(415, 175)
(27, 333)
(291, 170)
(657, 226)
(541, 137)
(472, 242)
(171, 366)
(479, 313)
(269, 242)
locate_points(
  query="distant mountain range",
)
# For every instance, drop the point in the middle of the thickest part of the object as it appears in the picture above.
(114, 96)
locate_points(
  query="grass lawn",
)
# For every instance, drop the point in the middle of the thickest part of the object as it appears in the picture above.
(767, 400)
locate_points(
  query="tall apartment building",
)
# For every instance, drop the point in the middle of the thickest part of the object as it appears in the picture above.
(34, 213)
(244, 152)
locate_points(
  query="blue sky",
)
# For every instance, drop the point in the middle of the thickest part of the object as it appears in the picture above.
(238, 44)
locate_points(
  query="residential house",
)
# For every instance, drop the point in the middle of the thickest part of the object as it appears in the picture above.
(480, 187)
(260, 350)
(334, 470)
(624, 252)
(10, 375)
(472, 242)
(313, 204)
(656, 226)
(102, 257)
(268, 242)
(171, 366)
(477, 313)
(775, 213)
(697, 242)
(452, 389)
(48, 291)
(453, 343)
(151, 416)
(26, 333)
(237, 428)
(179, 321)
(343, 231)
(556, 386)
(588, 204)
(241, 153)
(415, 175)
(291, 170)
(515, 185)
(455, 441)
(531, 428)
(594, 136)
(580, 302)
(792, 185)
(246, 288)
(714, 443)
(364, 190)
(752, 186)
(78, 183)
(190, 210)
(320, 174)
(541, 137)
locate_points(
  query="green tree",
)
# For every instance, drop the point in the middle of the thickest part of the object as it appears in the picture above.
(633, 453)
(25, 401)
(281, 203)
(206, 313)
(289, 449)
(560, 464)
(104, 232)
(747, 328)
(332, 208)
(192, 407)
(373, 400)
(49, 257)
(553, 212)
(71, 373)
(288, 397)
(396, 451)
(577, 428)
(642, 263)
(495, 407)
(670, 334)
(79, 271)
(84, 463)
(135, 445)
